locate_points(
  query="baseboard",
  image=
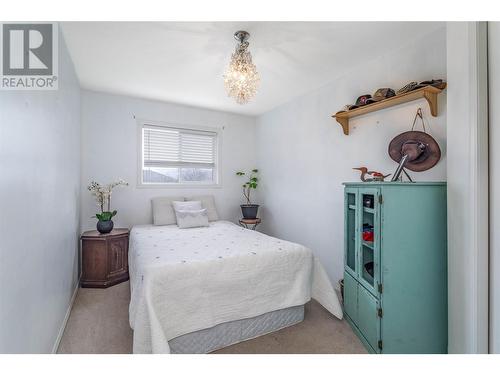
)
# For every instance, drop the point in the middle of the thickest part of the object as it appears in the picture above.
(65, 321)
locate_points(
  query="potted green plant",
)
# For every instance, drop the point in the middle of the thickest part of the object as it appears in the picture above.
(102, 194)
(249, 210)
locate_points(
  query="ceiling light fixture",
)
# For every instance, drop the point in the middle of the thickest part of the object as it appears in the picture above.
(241, 79)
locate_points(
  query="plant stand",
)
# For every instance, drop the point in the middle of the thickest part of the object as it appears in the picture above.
(250, 223)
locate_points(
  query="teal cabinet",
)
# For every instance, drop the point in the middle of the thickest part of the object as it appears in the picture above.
(395, 266)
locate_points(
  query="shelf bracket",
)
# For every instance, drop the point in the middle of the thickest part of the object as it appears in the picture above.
(431, 98)
(344, 122)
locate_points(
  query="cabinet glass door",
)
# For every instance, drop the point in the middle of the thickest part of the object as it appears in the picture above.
(369, 238)
(351, 230)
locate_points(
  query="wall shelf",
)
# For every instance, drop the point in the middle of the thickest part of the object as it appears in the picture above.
(428, 93)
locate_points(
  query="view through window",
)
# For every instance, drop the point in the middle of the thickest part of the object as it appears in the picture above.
(174, 155)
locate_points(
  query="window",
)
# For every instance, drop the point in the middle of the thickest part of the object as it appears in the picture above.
(176, 155)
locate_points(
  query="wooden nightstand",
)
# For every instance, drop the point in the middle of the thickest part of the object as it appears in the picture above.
(104, 258)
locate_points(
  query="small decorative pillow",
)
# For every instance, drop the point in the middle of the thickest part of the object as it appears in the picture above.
(208, 202)
(187, 206)
(192, 218)
(163, 210)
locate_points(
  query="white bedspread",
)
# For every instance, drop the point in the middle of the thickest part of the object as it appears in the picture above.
(185, 280)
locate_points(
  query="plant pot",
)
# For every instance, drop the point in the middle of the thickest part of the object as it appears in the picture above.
(105, 226)
(249, 211)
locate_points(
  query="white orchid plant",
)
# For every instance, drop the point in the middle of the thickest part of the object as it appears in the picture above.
(102, 194)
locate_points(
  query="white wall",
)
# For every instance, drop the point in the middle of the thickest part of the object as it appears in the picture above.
(304, 157)
(109, 151)
(39, 210)
(494, 129)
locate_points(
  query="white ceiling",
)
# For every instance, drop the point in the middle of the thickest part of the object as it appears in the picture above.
(183, 62)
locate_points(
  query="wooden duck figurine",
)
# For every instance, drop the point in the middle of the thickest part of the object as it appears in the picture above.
(370, 176)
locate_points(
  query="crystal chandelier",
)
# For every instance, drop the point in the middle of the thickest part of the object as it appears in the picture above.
(241, 78)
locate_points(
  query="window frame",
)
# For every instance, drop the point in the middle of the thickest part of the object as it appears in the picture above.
(141, 123)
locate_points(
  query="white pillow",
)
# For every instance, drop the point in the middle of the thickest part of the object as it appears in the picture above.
(207, 201)
(187, 206)
(163, 211)
(192, 218)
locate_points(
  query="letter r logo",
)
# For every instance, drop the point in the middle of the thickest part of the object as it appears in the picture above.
(27, 49)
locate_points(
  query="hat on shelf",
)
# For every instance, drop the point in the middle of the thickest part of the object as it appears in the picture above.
(407, 88)
(438, 83)
(360, 101)
(381, 94)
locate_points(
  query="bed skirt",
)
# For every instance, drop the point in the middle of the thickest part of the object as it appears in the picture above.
(225, 334)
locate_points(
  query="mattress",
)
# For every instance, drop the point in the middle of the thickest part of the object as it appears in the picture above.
(225, 334)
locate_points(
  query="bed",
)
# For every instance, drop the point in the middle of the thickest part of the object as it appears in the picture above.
(200, 289)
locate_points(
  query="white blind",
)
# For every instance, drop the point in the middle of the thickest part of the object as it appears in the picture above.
(173, 147)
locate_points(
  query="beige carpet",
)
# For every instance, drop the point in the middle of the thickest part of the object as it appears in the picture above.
(99, 324)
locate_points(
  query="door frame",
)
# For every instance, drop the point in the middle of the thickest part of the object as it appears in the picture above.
(494, 154)
(467, 177)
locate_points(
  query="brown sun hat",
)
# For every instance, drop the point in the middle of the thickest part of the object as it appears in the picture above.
(423, 151)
